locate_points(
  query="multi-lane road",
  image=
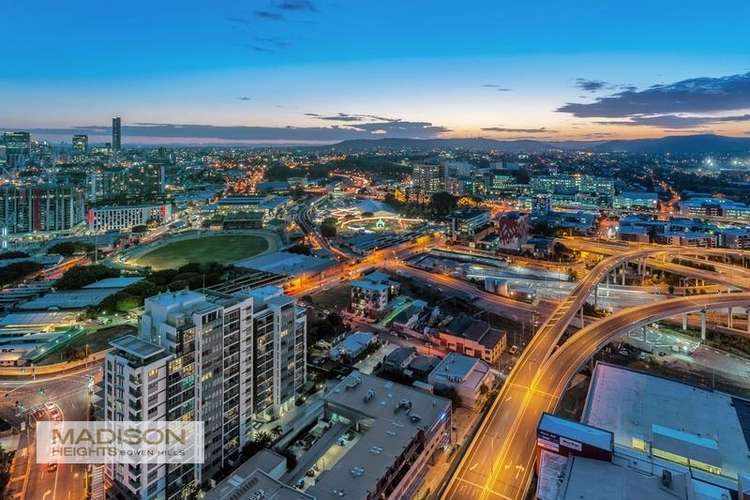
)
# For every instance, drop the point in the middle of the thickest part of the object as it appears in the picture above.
(504, 471)
(63, 396)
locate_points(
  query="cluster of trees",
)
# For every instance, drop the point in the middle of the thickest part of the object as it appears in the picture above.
(13, 255)
(68, 248)
(192, 276)
(325, 328)
(441, 204)
(17, 271)
(79, 277)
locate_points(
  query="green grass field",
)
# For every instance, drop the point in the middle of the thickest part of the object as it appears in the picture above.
(220, 249)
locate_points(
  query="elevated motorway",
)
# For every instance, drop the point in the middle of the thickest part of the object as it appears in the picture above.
(500, 463)
(478, 465)
(731, 276)
(484, 471)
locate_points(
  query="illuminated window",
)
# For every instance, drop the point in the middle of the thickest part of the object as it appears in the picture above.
(639, 444)
(666, 455)
(705, 467)
(153, 373)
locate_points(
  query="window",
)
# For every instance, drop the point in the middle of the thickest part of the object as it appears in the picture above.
(153, 373)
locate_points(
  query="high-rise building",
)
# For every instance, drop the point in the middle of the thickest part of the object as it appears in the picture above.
(116, 133)
(220, 359)
(40, 208)
(17, 147)
(80, 144)
(428, 179)
(138, 183)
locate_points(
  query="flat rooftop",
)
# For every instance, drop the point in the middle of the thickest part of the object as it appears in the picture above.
(670, 414)
(286, 263)
(136, 346)
(122, 282)
(69, 299)
(254, 485)
(388, 432)
(455, 367)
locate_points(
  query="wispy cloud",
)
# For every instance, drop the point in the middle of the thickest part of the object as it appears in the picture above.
(296, 5)
(541, 130)
(590, 85)
(268, 15)
(497, 87)
(244, 98)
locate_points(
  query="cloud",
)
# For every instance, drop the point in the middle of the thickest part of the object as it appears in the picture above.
(296, 5)
(199, 133)
(268, 15)
(497, 87)
(239, 20)
(348, 117)
(695, 96)
(541, 130)
(671, 121)
(590, 85)
(244, 98)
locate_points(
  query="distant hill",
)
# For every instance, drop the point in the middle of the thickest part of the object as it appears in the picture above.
(686, 144)
(689, 144)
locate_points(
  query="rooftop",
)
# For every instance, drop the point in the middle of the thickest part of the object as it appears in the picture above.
(456, 368)
(286, 263)
(670, 414)
(391, 430)
(136, 346)
(114, 283)
(253, 485)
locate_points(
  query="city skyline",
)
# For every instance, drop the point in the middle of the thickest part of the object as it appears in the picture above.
(308, 72)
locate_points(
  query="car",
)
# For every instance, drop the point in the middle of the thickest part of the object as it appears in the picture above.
(52, 467)
(513, 349)
(310, 473)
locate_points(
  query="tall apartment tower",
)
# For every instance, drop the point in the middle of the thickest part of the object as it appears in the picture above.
(428, 179)
(220, 359)
(80, 144)
(116, 133)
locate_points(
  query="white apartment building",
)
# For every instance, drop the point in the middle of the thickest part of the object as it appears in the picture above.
(126, 217)
(225, 360)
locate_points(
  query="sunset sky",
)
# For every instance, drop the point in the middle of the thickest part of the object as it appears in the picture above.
(300, 71)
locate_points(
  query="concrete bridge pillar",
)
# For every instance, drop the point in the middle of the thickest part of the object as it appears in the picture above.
(624, 267)
(685, 321)
(582, 323)
(703, 325)
(596, 296)
(730, 319)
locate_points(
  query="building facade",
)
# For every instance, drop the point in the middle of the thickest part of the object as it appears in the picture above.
(40, 208)
(220, 359)
(126, 217)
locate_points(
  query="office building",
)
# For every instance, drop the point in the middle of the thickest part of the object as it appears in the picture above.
(473, 337)
(467, 223)
(116, 133)
(220, 359)
(127, 216)
(40, 208)
(80, 144)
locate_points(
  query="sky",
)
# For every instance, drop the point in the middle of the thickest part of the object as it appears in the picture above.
(321, 71)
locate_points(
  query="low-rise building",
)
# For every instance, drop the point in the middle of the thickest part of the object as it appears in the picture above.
(662, 421)
(352, 346)
(471, 378)
(472, 337)
(399, 430)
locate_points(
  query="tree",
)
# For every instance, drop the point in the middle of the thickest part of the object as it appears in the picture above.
(68, 248)
(443, 203)
(328, 227)
(79, 277)
(18, 270)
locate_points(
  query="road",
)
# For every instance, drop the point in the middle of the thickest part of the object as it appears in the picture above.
(69, 393)
(499, 464)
